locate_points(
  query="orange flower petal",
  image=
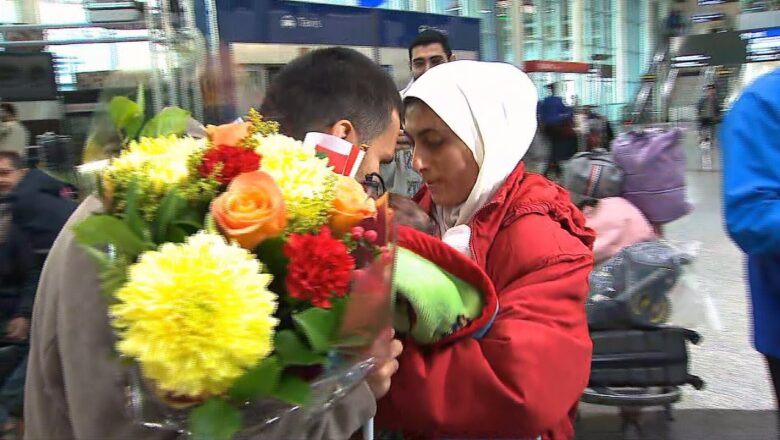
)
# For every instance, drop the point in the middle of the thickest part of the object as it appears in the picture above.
(228, 134)
(351, 205)
(251, 210)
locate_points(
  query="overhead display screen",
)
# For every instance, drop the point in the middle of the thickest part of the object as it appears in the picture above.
(762, 45)
(27, 77)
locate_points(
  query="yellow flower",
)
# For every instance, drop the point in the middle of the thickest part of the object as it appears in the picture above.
(196, 315)
(306, 180)
(156, 165)
(164, 160)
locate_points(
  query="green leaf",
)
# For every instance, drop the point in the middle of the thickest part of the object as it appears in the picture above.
(214, 420)
(134, 127)
(124, 111)
(293, 351)
(210, 225)
(192, 224)
(260, 380)
(294, 390)
(338, 309)
(271, 253)
(101, 259)
(176, 235)
(318, 325)
(111, 272)
(169, 209)
(171, 120)
(321, 155)
(132, 213)
(99, 230)
(140, 96)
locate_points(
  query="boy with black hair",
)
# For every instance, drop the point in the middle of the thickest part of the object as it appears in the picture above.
(341, 92)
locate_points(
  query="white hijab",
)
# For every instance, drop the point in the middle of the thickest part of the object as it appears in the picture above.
(491, 107)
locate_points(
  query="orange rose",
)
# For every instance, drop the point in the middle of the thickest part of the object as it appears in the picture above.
(228, 134)
(350, 206)
(251, 210)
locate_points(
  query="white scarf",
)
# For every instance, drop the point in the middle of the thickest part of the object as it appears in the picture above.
(491, 107)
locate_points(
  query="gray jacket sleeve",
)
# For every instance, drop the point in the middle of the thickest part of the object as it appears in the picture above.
(75, 386)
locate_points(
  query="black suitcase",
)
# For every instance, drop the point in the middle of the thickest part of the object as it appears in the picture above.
(642, 358)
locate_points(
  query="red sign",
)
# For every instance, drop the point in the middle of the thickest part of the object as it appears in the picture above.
(556, 66)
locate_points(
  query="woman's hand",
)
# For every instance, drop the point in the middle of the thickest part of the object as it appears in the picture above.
(386, 350)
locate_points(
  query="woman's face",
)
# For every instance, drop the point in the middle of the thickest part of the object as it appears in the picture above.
(445, 163)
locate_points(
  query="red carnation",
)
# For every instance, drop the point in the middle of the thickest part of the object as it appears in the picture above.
(320, 267)
(234, 161)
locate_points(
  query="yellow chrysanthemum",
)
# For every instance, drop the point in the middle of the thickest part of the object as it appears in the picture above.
(196, 315)
(156, 165)
(306, 180)
(164, 160)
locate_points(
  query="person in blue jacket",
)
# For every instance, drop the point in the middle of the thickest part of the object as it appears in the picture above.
(750, 138)
(556, 121)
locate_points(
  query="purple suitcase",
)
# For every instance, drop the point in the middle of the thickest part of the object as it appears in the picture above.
(654, 165)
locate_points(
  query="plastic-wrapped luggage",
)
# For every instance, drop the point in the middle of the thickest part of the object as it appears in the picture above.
(630, 290)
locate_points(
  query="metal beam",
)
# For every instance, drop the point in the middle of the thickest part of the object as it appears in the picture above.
(31, 27)
(36, 43)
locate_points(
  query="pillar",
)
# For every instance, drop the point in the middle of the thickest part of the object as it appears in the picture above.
(28, 11)
(619, 32)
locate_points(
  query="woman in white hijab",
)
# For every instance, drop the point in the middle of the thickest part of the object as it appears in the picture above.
(521, 376)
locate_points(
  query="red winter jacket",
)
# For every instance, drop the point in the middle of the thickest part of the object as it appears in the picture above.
(523, 379)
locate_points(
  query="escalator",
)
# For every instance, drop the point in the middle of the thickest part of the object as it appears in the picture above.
(657, 84)
(644, 103)
(670, 90)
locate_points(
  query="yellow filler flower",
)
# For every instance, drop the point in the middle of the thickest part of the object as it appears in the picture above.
(306, 181)
(196, 315)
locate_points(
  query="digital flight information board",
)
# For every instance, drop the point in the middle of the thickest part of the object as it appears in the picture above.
(762, 44)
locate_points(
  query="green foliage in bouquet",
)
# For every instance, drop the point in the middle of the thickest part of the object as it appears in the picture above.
(130, 121)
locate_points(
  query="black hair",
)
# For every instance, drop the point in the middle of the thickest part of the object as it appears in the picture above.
(431, 36)
(8, 107)
(324, 86)
(13, 157)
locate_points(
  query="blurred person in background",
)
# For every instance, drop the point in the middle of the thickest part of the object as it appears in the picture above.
(598, 131)
(13, 134)
(674, 24)
(430, 49)
(750, 139)
(557, 123)
(709, 112)
(18, 283)
(41, 203)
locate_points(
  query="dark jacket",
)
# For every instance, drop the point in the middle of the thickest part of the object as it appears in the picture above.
(702, 106)
(18, 275)
(40, 209)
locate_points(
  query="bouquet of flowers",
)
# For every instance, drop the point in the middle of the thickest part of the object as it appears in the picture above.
(237, 268)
